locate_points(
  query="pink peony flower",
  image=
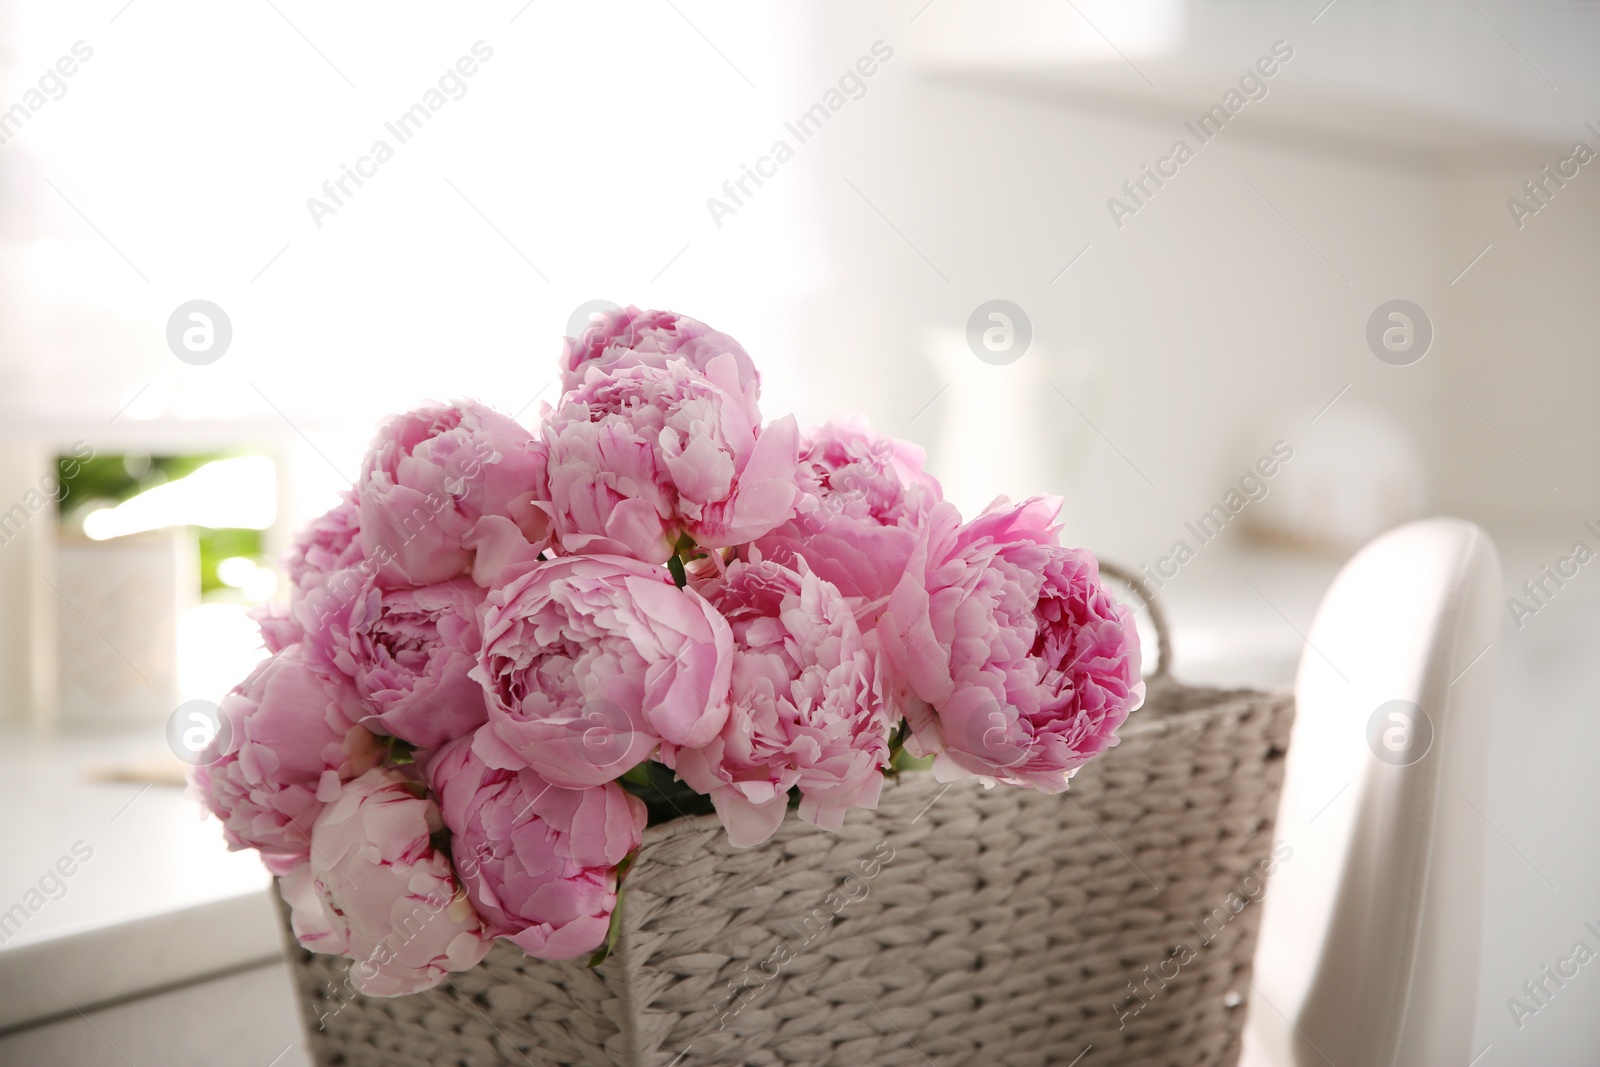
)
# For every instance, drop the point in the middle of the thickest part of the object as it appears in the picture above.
(329, 543)
(377, 890)
(627, 337)
(538, 861)
(1013, 661)
(650, 453)
(409, 652)
(589, 661)
(499, 547)
(806, 707)
(294, 738)
(278, 628)
(863, 497)
(309, 917)
(431, 475)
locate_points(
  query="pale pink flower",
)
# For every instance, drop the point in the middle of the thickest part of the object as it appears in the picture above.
(330, 542)
(538, 861)
(628, 337)
(409, 652)
(806, 709)
(378, 891)
(590, 661)
(863, 496)
(278, 628)
(431, 475)
(647, 454)
(292, 736)
(1013, 662)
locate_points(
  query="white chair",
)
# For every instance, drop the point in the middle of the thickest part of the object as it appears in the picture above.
(1369, 940)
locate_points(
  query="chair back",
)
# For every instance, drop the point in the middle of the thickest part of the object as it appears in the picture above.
(1368, 951)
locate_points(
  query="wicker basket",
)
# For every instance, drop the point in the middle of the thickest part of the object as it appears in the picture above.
(951, 926)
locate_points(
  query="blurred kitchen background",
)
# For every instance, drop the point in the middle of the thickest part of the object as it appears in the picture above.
(940, 155)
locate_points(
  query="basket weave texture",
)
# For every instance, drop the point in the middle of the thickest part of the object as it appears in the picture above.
(954, 925)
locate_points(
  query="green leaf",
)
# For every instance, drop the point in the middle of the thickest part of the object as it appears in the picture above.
(898, 740)
(900, 760)
(665, 796)
(679, 576)
(401, 752)
(614, 930)
(904, 761)
(626, 865)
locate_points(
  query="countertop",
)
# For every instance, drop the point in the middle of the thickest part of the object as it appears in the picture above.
(154, 898)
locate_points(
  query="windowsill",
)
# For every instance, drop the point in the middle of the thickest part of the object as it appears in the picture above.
(159, 902)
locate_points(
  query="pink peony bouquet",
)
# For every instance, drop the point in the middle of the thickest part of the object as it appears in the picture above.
(506, 653)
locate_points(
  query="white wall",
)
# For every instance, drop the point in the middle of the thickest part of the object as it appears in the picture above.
(1207, 327)
(1193, 337)
(1526, 329)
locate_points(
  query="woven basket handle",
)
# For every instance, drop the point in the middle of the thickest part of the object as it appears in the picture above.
(1158, 618)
